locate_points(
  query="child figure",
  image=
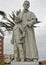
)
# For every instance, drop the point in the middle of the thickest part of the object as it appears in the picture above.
(18, 40)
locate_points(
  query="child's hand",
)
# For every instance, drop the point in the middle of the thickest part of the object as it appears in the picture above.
(21, 37)
(25, 25)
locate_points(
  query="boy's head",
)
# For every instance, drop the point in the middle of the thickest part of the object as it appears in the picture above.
(17, 20)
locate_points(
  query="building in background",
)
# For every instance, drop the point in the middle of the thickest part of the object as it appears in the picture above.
(43, 62)
(1, 50)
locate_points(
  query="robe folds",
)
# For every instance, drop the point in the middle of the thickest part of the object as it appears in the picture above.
(30, 47)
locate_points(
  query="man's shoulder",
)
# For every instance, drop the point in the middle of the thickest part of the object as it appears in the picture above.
(31, 12)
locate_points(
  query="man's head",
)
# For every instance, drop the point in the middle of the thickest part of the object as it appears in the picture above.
(26, 4)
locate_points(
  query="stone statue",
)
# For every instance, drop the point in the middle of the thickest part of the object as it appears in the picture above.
(24, 36)
(18, 40)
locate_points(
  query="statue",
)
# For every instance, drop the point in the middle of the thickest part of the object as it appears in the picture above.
(24, 36)
(18, 40)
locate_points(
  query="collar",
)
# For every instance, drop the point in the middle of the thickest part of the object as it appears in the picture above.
(25, 11)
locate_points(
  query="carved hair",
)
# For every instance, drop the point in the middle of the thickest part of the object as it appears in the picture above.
(26, 1)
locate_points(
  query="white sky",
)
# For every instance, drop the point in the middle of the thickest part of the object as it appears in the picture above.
(39, 8)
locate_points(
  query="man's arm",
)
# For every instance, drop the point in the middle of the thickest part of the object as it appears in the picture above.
(32, 20)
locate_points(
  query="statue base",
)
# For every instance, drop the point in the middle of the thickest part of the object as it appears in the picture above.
(25, 63)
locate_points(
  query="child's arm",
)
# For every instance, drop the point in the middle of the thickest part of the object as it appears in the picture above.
(22, 31)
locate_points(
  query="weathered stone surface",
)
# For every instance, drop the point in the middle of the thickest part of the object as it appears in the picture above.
(23, 37)
(24, 63)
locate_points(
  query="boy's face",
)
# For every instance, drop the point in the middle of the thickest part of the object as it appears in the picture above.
(26, 5)
(17, 20)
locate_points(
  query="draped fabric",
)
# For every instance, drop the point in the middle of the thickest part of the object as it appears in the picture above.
(30, 47)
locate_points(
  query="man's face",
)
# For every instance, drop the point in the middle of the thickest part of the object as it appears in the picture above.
(26, 5)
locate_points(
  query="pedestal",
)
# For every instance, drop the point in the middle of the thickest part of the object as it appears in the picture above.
(25, 63)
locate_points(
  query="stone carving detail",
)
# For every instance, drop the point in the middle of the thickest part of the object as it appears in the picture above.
(23, 37)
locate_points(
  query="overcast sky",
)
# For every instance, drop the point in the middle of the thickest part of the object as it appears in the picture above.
(39, 8)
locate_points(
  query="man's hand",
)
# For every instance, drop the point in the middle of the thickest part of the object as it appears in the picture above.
(29, 24)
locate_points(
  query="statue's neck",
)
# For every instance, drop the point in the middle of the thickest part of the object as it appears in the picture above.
(25, 10)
